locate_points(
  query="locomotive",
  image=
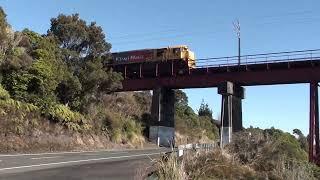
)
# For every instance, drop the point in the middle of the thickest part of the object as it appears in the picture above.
(164, 61)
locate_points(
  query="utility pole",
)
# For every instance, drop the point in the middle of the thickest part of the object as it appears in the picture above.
(236, 26)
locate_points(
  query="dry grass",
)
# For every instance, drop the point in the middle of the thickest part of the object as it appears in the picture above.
(170, 167)
(220, 165)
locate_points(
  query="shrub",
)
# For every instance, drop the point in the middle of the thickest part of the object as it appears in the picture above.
(72, 120)
(4, 94)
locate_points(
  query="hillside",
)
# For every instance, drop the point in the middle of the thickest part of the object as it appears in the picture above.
(253, 154)
(56, 94)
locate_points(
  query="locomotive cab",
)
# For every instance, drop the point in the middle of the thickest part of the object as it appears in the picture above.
(183, 53)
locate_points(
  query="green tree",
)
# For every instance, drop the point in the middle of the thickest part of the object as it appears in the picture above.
(181, 99)
(32, 73)
(302, 139)
(96, 80)
(77, 39)
(4, 34)
(204, 110)
(83, 48)
(69, 91)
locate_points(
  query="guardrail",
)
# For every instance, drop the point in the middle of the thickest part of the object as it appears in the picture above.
(195, 147)
(278, 57)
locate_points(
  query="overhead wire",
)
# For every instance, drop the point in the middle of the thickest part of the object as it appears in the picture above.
(156, 33)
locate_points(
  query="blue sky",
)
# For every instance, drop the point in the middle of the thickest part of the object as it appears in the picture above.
(206, 27)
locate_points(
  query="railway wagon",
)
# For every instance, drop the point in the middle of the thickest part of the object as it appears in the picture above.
(173, 60)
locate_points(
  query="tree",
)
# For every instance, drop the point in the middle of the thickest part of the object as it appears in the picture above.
(96, 80)
(83, 47)
(4, 33)
(181, 99)
(33, 69)
(204, 110)
(302, 139)
(69, 91)
(79, 40)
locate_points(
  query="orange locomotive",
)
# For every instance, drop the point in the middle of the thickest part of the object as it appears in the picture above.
(155, 55)
(174, 59)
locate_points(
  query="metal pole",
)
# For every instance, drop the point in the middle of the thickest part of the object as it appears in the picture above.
(239, 48)
(236, 26)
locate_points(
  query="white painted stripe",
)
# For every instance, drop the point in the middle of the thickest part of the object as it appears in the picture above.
(97, 154)
(72, 152)
(53, 153)
(77, 161)
(49, 157)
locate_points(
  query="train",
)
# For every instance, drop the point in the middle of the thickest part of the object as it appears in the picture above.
(172, 59)
(173, 53)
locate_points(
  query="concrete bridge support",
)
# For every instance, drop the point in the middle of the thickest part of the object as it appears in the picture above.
(162, 130)
(314, 147)
(231, 110)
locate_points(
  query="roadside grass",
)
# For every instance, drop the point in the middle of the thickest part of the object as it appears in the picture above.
(253, 154)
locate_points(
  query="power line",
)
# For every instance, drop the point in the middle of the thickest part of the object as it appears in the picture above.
(164, 38)
(137, 35)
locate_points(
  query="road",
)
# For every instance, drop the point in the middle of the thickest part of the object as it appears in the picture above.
(93, 165)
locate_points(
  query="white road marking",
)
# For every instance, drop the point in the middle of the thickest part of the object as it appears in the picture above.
(111, 153)
(49, 157)
(77, 161)
(53, 153)
(72, 152)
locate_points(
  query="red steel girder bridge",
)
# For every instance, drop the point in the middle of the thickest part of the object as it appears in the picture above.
(259, 69)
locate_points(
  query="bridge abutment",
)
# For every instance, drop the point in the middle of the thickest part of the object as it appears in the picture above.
(162, 130)
(231, 110)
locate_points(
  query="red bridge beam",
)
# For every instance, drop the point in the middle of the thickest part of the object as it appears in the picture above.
(211, 79)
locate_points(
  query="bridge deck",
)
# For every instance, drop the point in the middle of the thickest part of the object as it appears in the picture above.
(261, 69)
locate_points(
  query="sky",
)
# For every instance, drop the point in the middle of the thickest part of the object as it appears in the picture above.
(206, 27)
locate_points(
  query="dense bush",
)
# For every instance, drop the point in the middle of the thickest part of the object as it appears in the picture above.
(72, 120)
(273, 152)
(253, 154)
(16, 117)
(191, 125)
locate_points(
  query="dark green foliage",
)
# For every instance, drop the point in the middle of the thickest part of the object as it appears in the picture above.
(253, 154)
(35, 69)
(195, 127)
(264, 148)
(302, 139)
(204, 110)
(4, 34)
(3, 24)
(35, 82)
(77, 38)
(181, 99)
(97, 80)
(69, 91)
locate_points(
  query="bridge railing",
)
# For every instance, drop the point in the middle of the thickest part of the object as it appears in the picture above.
(290, 56)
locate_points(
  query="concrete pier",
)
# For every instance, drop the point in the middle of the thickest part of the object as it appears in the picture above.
(231, 110)
(162, 129)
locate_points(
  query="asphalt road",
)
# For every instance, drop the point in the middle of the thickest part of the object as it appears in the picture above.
(95, 165)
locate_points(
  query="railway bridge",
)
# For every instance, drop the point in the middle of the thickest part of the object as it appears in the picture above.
(230, 77)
